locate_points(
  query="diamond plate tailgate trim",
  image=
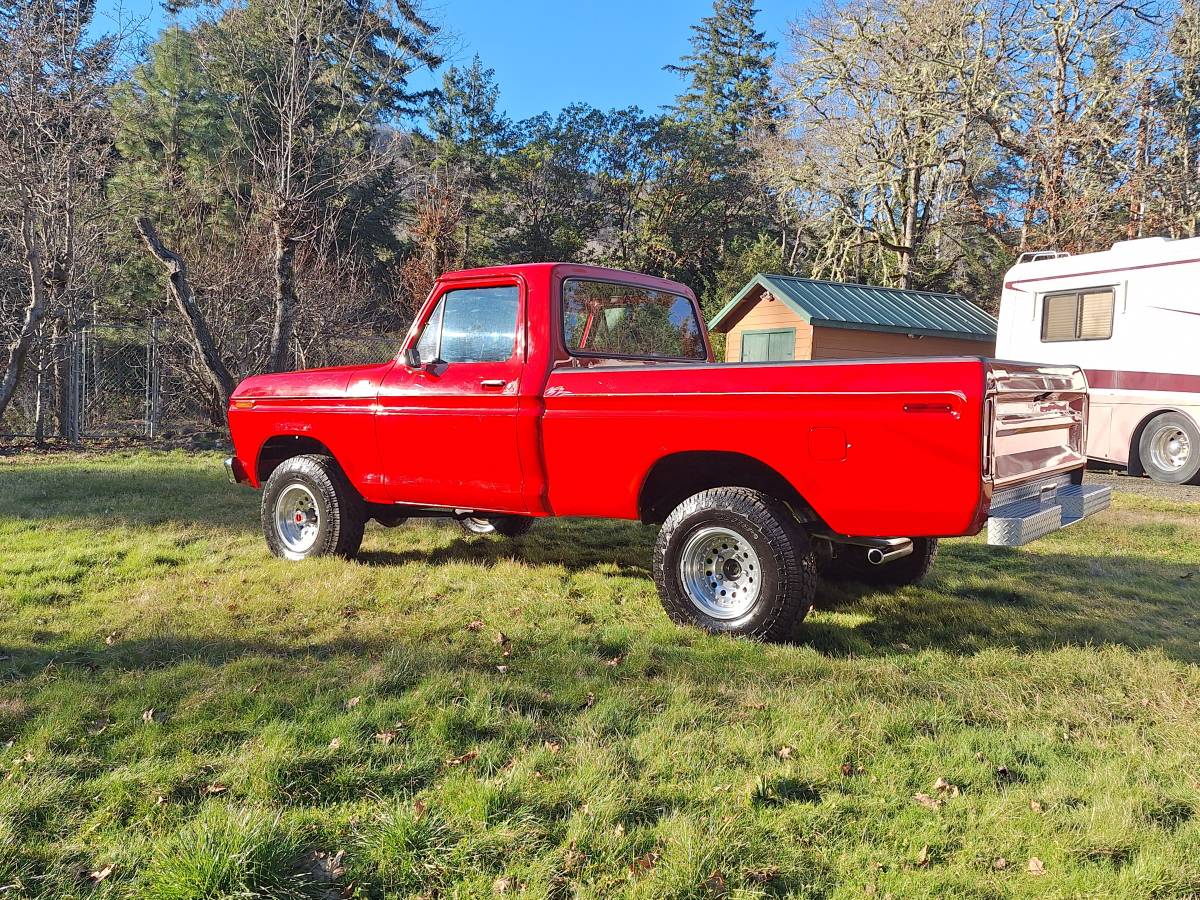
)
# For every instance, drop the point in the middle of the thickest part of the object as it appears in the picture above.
(1042, 508)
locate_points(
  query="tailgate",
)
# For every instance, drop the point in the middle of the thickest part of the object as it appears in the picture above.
(1034, 433)
(1038, 421)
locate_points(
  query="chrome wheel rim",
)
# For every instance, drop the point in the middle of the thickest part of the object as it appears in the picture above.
(720, 572)
(297, 518)
(1170, 448)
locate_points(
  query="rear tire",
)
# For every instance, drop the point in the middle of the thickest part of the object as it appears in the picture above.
(735, 561)
(1169, 449)
(850, 563)
(309, 508)
(505, 526)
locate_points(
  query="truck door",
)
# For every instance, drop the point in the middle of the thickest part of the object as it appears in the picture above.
(447, 429)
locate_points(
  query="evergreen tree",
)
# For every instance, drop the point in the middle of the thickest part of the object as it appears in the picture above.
(728, 73)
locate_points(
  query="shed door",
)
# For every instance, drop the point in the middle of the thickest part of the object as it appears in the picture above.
(767, 346)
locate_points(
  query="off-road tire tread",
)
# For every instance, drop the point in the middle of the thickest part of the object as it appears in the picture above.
(790, 550)
(345, 511)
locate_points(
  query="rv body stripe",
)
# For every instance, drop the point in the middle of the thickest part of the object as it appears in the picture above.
(1142, 381)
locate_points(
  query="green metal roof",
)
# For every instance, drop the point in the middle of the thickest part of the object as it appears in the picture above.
(834, 304)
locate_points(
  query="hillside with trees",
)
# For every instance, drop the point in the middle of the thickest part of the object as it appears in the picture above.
(263, 175)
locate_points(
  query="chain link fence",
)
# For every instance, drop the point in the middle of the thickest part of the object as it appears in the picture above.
(141, 380)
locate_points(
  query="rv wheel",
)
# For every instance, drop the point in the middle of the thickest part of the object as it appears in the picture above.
(1170, 449)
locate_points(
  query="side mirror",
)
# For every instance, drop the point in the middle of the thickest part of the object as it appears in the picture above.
(411, 358)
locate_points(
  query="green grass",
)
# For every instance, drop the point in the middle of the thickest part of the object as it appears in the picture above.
(302, 711)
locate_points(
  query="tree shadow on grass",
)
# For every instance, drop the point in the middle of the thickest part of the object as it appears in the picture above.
(978, 597)
(981, 597)
(156, 492)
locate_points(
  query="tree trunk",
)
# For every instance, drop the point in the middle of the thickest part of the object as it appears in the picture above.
(35, 312)
(285, 297)
(185, 301)
(909, 239)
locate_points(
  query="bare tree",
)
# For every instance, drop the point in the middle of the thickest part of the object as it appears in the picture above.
(54, 150)
(305, 83)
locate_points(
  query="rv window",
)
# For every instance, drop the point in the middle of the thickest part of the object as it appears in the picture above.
(1078, 316)
(1096, 315)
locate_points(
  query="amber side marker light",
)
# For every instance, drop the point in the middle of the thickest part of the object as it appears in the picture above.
(243, 404)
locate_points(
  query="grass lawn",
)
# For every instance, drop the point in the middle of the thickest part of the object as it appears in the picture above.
(182, 715)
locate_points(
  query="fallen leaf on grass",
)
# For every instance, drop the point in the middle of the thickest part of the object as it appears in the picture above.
(501, 638)
(615, 661)
(923, 857)
(112, 638)
(763, 876)
(215, 788)
(1036, 866)
(715, 884)
(785, 752)
(465, 758)
(148, 715)
(1035, 805)
(326, 868)
(645, 862)
(419, 807)
(502, 669)
(552, 746)
(999, 863)
(100, 874)
(353, 702)
(475, 625)
(590, 701)
(385, 737)
(504, 884)
(335, 744)
(945, 788)
(928, 802)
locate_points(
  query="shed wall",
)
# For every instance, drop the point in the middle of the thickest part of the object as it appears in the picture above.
(850, 343)
(768, 315)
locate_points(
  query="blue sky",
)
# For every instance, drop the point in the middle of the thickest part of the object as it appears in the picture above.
(545, 51)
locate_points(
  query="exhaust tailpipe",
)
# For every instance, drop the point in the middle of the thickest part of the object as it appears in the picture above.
(877, 556)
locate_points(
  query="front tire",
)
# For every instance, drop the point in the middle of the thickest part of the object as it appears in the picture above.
(309, 508)
(735, 561)
(850, 563)
(1169, 449)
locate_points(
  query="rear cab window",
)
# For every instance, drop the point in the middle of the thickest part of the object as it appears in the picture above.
(611, 320)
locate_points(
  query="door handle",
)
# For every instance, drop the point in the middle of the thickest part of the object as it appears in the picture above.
(493, 383)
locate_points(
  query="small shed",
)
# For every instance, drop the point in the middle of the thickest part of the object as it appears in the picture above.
(778, 317)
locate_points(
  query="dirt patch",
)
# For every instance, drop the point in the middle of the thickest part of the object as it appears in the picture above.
(1132, 484)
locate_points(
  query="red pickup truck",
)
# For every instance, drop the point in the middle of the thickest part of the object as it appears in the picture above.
(555, 389)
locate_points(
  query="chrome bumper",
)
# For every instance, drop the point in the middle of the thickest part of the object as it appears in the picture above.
(234, 471)
(1026, 513)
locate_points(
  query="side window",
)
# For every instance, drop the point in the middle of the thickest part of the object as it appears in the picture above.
(1085, 315)
(472, 325)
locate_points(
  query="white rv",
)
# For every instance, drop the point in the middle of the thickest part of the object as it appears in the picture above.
(1130, 317)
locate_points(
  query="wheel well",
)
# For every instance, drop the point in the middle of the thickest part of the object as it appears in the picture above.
(285, 446)
(1135, 450)
(674, 478)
